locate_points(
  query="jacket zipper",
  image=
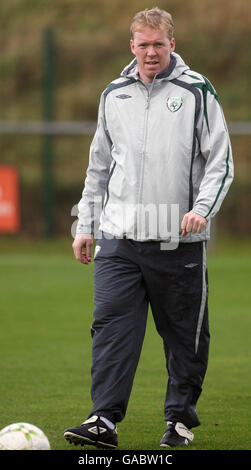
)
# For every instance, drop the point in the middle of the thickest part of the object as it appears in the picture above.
(143, 154)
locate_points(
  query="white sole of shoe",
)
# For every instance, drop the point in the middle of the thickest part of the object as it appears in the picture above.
(82, 440)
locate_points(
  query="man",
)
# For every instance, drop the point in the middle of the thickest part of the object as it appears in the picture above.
(161, 143)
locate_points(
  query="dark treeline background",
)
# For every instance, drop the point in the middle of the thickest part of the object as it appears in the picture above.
(91, 49)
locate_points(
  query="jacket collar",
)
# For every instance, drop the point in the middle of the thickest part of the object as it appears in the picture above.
(176, 67)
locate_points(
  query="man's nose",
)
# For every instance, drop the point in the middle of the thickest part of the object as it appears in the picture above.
(151, 51)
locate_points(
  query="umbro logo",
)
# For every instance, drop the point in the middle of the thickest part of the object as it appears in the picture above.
(123, 96)
(94, 430)
(97, 250)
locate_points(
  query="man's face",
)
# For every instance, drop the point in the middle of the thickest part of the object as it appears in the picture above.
(152, 49)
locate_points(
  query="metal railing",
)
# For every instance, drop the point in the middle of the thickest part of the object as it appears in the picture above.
(85, 127)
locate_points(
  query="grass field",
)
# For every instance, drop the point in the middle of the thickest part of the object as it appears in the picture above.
(46, 314)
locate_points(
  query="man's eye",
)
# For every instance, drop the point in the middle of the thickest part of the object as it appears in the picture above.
(144, 46)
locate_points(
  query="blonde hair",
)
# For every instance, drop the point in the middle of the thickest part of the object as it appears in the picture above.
(154, 18)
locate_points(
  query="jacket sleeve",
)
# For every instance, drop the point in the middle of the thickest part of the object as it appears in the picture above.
(91, 203)
(215, 147)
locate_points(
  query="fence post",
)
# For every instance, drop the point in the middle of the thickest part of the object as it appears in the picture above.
(47, 150)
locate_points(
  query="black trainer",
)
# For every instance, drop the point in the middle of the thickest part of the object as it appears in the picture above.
(176, 434)
(93, 432)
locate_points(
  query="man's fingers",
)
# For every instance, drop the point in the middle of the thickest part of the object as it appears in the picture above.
(192, 222)
(82, 248)
(89, 250)
(80, 255)
(184, 222)
(189, 225)
(183, 226)
(77, 250)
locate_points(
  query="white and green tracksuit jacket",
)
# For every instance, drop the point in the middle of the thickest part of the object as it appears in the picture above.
(156, 148)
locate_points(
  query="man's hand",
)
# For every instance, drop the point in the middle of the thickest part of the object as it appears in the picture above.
(83, 241)
(192, 222)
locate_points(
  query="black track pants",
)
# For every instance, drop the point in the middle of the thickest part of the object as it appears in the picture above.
(128, 276)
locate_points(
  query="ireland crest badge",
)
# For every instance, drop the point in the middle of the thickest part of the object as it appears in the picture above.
(174, 103)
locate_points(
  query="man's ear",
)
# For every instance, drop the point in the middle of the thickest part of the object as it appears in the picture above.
(172, 44)
(132, 46)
